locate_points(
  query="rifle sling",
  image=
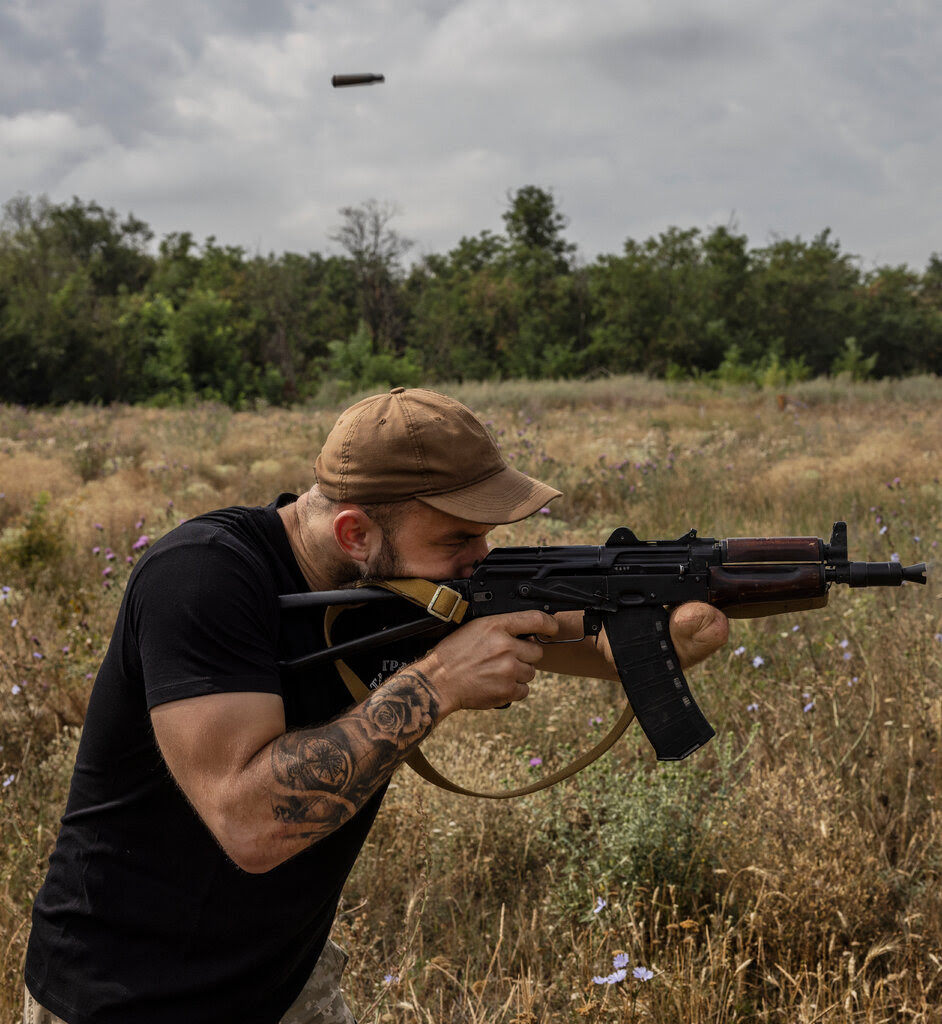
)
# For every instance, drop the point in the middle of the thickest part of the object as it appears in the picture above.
(431, 597)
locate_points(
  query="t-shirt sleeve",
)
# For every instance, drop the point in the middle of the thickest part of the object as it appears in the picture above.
(203, 618)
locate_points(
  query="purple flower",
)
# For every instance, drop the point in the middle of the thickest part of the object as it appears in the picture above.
(758, 661)
(600, 905)
(808, 707)
(752, 707)
(739, 650)
(620, 960)
(610, 979)
(643, 974)
(390, 979)
(535, 762)
(141, 542)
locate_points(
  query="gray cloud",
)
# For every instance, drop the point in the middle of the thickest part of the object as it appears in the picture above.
(218, 117)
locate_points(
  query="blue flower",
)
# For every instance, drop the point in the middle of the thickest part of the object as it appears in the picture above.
(600, 904)
(758, 661)
(752, 707)
(610, 979)
(620, 960)
(643, 974)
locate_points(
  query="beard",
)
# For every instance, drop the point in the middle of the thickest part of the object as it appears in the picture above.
(387, 565)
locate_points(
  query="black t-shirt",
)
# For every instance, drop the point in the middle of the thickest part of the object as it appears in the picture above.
(142, 917)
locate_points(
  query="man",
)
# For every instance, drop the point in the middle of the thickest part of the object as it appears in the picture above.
(218, 803)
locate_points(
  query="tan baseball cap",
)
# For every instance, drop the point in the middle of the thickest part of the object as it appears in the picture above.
(414, 443)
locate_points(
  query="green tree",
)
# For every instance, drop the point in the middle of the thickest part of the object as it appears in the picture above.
(806, 300)
(376, 252)
(63, 270)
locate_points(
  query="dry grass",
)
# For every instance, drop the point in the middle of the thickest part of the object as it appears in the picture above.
(787, 873)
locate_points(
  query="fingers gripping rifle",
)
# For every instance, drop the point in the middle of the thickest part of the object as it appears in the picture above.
(626, 586)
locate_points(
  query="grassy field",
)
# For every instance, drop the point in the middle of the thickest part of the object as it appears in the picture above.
(788, 872)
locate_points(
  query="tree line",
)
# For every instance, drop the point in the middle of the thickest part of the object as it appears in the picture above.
(91, 310)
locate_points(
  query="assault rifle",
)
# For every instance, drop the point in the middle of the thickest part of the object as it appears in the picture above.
(626, 586)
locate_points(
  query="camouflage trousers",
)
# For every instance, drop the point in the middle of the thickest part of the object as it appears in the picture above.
(320, 1001)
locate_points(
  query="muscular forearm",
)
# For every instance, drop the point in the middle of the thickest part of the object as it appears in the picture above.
(265, 794)
(321, 777)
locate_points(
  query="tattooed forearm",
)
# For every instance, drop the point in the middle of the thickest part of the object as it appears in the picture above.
(325, 774)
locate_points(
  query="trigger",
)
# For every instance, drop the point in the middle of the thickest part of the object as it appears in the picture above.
(592, 623)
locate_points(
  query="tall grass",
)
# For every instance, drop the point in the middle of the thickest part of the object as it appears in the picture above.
(786, 873)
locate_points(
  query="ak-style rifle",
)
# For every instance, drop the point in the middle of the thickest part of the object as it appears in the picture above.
(627, 586)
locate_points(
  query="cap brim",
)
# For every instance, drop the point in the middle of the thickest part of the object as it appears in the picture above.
(505, 497)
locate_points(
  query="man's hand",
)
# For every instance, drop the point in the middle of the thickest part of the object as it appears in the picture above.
(488, 662)
(697, 631)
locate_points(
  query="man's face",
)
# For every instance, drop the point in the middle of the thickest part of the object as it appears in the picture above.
(430, 544)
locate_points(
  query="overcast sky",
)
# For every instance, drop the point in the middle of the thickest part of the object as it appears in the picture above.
(779, 117)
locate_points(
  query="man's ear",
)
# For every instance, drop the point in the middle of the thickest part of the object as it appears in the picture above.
(357, 536)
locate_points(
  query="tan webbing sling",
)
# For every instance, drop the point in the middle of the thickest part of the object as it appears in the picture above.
(449, 606)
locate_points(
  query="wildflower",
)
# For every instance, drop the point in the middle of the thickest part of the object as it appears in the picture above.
(16, 689)
(107, 571)
(390, 979)
(739, 651)
(895, 557)
(752, 707)
(544, 511)
(620, 960)
(847, 656)
(98, 526)
(600, 905)
(595, 720)
(610, 979)
(141, 542)
(38, 655)
(8, 781)
(938, 637)
(795, 629)
(643, 974)
(535, 762)
(758, 661)
(883, 529)
(808, 707)
(96, 550)
(14, 623)
(109, 554)
(844, 643)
